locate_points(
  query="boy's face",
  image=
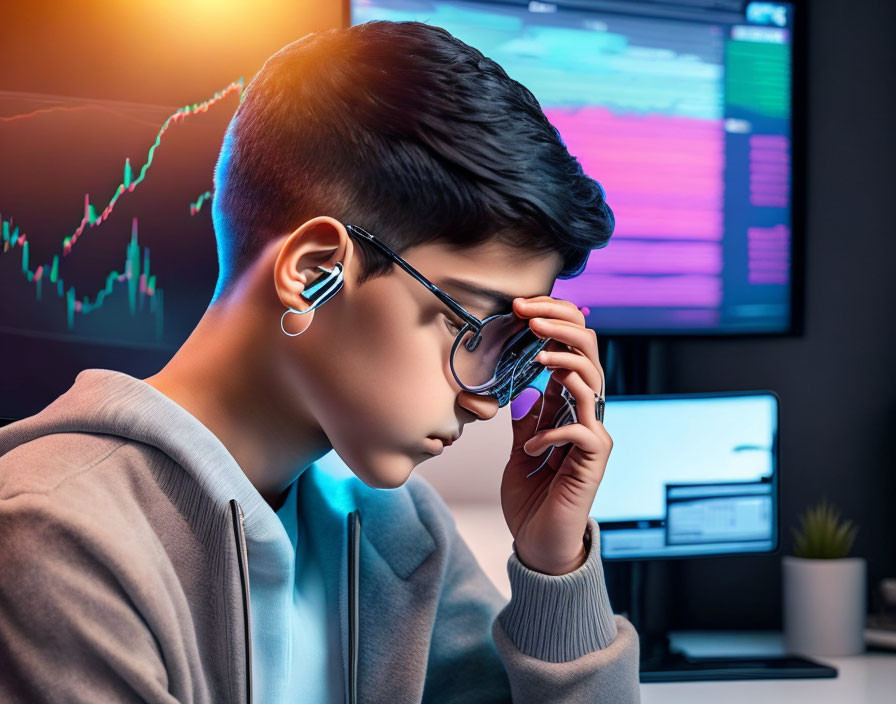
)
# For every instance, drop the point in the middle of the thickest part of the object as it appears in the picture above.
(374, 363)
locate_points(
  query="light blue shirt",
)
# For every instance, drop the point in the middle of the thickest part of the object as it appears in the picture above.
(289, 615)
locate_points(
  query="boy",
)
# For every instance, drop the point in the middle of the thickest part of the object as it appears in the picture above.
(172, 539)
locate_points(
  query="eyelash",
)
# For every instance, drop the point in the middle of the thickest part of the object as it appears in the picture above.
(455, 323)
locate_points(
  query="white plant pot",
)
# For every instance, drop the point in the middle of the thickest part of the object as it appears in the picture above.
(824, 605)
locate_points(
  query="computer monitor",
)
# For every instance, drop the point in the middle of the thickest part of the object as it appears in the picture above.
(110, 259)
(688, 113)
(690, 475)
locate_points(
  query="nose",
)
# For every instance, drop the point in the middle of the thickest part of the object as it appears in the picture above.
(483, 407)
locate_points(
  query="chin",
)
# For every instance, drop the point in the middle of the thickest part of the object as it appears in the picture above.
(389, 473)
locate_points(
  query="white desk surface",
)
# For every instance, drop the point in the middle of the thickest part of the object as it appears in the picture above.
(861, 679)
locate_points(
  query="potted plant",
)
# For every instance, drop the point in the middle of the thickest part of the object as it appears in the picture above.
(824, 589)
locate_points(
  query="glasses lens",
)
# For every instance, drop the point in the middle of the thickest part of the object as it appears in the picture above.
(498, 356)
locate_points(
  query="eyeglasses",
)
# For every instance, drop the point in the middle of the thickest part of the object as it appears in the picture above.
(493, 357)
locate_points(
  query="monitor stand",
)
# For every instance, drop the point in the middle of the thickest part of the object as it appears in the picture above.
(660, 662)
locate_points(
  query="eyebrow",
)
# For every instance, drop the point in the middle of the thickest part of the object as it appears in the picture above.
(500, 302)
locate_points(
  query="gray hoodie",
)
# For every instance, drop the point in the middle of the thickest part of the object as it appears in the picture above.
(125, 526)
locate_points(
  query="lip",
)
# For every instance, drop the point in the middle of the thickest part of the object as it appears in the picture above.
(446, 441)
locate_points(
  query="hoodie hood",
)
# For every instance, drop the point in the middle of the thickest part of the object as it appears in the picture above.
(114, 403)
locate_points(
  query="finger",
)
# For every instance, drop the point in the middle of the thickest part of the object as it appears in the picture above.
(576, 336)
(581, 340)
(556, 403)
(575, 433)
(577, 362)
(583, 395)
(548, 307)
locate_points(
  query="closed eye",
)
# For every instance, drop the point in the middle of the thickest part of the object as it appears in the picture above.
(454, 326)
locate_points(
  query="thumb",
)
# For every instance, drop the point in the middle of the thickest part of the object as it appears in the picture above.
(524, 410)
(523, 404)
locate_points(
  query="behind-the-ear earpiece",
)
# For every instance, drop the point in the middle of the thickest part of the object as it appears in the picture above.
(318, 293)
(325, 287)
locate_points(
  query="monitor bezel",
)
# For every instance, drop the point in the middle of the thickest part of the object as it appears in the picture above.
(776, 472)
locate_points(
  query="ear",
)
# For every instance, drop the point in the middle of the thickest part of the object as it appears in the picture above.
(321, 241)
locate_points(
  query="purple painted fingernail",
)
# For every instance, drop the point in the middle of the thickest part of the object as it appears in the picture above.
(524, 403)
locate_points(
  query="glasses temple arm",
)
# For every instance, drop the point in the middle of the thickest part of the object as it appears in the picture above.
(444, 297)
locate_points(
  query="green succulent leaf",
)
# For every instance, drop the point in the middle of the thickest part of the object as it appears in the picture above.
(822, 535)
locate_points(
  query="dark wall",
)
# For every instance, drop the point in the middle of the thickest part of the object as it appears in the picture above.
(836, 385)
(836, 382)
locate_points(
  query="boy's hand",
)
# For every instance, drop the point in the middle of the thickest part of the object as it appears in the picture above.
(547, 513)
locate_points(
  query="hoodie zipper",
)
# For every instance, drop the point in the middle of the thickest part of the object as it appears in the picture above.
(239, 529)
(353, 520)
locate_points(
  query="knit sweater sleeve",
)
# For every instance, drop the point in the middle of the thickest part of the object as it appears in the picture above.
(559, 639)
(556, 640)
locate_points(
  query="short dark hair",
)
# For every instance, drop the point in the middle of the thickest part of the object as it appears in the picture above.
(408, 132)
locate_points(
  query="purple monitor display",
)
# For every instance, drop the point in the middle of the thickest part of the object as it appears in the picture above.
(108, 255)
(684, 116)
